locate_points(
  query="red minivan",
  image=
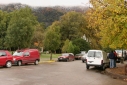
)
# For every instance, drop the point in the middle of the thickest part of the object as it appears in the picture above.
(26, 56)
(6, 58)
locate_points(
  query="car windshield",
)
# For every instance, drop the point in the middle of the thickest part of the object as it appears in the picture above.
(65, 54)
(94, 54)
(18, 53)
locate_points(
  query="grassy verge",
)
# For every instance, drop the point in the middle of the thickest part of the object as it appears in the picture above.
(47, 56)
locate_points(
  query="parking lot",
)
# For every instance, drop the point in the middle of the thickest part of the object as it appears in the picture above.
(57, 73)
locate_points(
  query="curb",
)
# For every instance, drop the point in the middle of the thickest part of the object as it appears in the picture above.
(116, 76)
(48, 61)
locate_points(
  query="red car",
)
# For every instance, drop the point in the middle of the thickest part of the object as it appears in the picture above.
(26, 56)
(66, 57)
(6, 58)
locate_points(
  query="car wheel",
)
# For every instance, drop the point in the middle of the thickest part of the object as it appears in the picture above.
(83, 61)
(87, 66)
(19, 63)
(103, 67)
(67, 60)
(36, 62)
(8, 64)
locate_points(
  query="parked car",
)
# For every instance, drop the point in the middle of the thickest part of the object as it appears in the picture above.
(66, 57)
(78, 56)
(97, 58)
(119, 55)
(26, 56)
(83, 58)
(6, 58)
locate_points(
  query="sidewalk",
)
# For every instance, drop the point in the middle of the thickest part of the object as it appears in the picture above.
(118, 72)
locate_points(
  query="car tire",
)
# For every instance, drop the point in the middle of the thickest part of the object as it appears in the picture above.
(103, 67)
(67, 60)
(82, 61)
(87, 66)
(19, 63)
(36, 62)
(8, 64)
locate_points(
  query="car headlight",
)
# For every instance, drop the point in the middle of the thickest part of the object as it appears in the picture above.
(14, 59)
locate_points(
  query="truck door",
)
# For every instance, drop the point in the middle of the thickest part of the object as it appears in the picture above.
(3, 57)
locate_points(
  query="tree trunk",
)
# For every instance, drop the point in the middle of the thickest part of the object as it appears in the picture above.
(51, 56)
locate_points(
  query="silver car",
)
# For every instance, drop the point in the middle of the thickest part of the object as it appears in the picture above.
(83, 58)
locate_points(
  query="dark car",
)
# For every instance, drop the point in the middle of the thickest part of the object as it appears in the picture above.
(78, 56)
(66, 57)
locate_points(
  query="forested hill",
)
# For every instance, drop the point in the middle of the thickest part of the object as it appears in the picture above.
(46, 15)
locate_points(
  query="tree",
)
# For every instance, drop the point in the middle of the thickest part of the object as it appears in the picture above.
(72, 26)
(52, 38)
(4, 20)
(76, 49)
(21, 28)
(92, 30)
(70, 48)
(38, 36)
(65, 46)
(109, 18)
(82, 44)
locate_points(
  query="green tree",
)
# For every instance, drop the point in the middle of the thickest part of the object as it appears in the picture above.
(65, 46)
(70, 47)
(72, 25)
(82, 44)
(4, 20)
(76, 49)
(52, 38)
(21, 28)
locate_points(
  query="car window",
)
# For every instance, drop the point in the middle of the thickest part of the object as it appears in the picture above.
(26, 54)
(91, 54)
(70, 55)
(98, 54)
(2, 53)
(94, 54)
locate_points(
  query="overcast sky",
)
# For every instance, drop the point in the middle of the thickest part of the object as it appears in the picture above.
(48, 2)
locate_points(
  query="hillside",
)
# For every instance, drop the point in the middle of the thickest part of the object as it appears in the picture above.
(45, 14)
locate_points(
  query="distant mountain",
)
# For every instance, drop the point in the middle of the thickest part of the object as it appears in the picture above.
(44, 14)
(12, 7)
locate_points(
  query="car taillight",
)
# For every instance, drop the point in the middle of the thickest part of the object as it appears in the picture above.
(101, 61)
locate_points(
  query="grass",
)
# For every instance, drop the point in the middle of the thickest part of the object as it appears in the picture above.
(47, 56)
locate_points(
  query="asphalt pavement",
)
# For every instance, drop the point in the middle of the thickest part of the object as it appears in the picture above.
(116, 73)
